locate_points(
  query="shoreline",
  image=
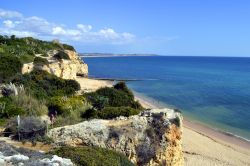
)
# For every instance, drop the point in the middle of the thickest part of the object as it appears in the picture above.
(201, 145)
(147, 102)
(199, 127)
(206, 146)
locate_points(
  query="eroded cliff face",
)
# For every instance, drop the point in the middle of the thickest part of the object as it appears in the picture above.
(66, 69)
(151, 138)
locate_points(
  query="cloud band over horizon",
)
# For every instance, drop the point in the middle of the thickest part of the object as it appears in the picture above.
(15, 23)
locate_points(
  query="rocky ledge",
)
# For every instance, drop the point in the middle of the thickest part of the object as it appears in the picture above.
(151, 138)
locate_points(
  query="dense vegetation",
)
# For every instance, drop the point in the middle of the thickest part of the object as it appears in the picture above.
(26, 48)
(93, 156)
(9, 67)
(112, 102)
(43, 85)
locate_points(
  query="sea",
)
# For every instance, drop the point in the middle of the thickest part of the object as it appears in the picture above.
(213, 91)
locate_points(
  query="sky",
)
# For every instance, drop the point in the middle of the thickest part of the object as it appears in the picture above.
(166, 27)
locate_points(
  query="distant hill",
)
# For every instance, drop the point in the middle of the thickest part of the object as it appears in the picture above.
(26, 48)
(112, 55)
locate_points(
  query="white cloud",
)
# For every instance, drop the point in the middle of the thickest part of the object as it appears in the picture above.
(84, 28)
(108, 33)
(9, 14)
(14, 23)
(8, 23)
(58, 31)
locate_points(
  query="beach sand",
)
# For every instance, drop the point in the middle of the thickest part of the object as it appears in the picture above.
(201, 145)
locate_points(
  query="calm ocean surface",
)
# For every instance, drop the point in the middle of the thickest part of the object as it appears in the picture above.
(212, 90)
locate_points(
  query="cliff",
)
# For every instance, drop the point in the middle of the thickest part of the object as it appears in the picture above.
(151, 138)
(64, 68)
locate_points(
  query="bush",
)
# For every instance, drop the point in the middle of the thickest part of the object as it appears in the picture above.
(43, 85)
(110, 112)
(40, 61)
(66, 105)
(93, 156)
(26, 58)
(9, 109)
(61, 55)
(123, 87)
(116, 98)
(113, 112)
(68, 47)
(68, 109)
(98, 102)
(9, 67)
(30, 128)
(30, 105)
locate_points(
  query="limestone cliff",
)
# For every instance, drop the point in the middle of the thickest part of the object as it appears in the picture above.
(66, 69)
(150, 138)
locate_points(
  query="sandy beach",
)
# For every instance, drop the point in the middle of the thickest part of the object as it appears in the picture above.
(201, 145)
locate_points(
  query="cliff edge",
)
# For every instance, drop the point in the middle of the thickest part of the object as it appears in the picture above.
(151, 138)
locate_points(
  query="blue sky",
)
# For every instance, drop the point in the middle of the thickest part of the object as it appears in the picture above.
(167, 27)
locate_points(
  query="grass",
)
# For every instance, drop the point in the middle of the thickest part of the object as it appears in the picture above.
(93, 156)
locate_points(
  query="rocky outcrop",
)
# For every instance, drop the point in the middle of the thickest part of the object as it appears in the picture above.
(151, 138)
(66, 69)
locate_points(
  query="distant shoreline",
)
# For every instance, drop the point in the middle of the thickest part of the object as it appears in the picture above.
(110, 56)
(153, 55)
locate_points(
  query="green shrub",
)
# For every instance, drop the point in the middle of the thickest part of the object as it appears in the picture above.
(30, 105)
(118, 98)
(123, 87)
(61, 55)
(110, 112)
(40, 61)
(68, 47)
(93, 156)
(43, 85)
(98, 102)
(26, 58)
(66, 105)
(113, 112)
(9, 67)
(68, 109)
(9, 109)
(90, 114)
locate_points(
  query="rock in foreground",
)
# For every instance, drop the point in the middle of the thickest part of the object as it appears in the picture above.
(151, 138)
(12, 156)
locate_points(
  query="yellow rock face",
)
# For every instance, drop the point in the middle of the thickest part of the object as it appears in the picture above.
(66, 69)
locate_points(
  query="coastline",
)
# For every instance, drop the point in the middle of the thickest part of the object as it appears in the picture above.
(202, 145)
(197, 127)
(206, 146)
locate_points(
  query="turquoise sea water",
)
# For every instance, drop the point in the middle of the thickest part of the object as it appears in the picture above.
(212, 90)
